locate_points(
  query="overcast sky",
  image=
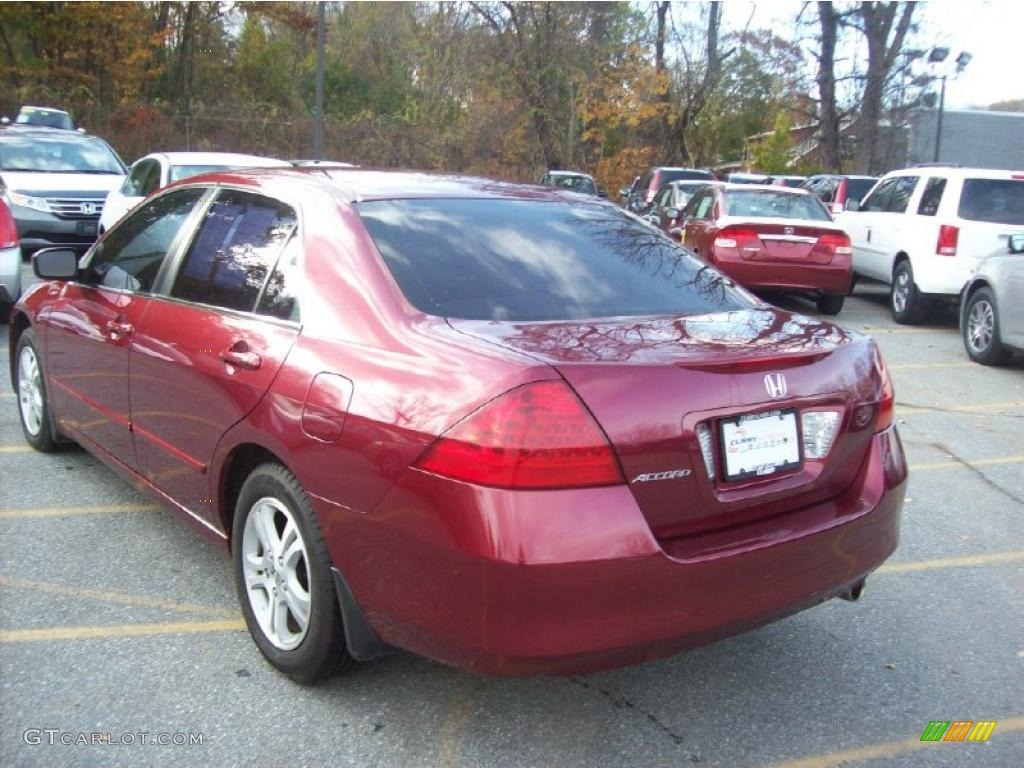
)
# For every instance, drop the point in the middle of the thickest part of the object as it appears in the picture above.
(991, 30)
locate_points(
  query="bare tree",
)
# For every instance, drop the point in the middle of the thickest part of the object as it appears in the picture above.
(828, 111)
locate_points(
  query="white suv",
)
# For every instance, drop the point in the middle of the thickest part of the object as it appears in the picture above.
(923, 230)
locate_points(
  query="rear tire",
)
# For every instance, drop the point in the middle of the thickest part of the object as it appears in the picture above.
(830, 303)
(284, 580)
(33, 401)
(905, 301)
(981, 329)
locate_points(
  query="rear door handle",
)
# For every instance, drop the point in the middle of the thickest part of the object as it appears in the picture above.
(239, 354)
(118, 329)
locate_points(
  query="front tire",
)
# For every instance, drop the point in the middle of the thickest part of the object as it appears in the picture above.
(905, 301)
(283, 577)
(33, 401)
(981, 329)
(830, 303)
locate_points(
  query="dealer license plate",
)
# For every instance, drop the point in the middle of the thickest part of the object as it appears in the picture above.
(756, 444)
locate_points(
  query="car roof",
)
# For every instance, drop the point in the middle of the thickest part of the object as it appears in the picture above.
(955, 171)
(44, 109)
(569, 173)
(362, 185)
(43, 132)
(217, 158)
(763, 188)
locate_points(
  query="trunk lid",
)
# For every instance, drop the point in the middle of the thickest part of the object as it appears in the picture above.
(782, 240)
(650, 382)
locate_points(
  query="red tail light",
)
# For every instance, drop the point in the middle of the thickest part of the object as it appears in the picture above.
(839, 201)
(8, 232)
(535, 436)
(836, 242)
(948, 235)
(737, 237)
(887, 396)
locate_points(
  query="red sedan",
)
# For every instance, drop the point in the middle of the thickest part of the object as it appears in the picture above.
(770, 237)
(500, 426)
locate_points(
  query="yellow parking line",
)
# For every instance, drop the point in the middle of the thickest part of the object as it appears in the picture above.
(952, 562)
(120, 630)
(121, 598)
(966, 464)
(921, 366)
(887, 749)
(15, 448)
(897, 330)
(33, 512)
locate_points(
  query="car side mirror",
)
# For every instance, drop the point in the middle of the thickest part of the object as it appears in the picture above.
(853, 204)
(55, 264)
(601, 193)
(1016, 244)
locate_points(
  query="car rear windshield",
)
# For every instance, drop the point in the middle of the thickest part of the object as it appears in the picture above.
(179, 172)
(774, 205)
(580, 184)
(664, 177)
(50, 154)
(857, 189)
(999, 201)
(527, 260)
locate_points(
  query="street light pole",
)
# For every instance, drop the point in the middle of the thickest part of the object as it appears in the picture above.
(938, 122)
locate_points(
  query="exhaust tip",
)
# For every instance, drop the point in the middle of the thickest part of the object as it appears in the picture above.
(854, 591)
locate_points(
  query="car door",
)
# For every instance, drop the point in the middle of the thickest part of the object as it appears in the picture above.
(1011, 308)
(895, 230)
(860, 226)
(89, 332)
(205, 355)
(697, 222)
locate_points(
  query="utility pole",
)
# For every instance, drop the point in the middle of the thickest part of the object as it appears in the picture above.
(318, 131)
(938, 122)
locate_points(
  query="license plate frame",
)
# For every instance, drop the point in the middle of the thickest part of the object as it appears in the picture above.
(86, 228)
(771, 452)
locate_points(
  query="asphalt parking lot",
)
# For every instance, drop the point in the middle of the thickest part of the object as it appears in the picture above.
(117, 619)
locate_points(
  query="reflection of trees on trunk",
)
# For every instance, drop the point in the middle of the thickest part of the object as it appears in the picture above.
(718, 337)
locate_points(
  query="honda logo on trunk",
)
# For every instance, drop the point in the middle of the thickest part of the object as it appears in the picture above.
(775, 383)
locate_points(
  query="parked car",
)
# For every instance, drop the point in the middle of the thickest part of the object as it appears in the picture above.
(837, 191)
(642, 194)
(157, 170)
(669, 204)
(42, 117)
(574, 181)
(55, 183)
(923, 230)
(741, 177)
(787, 181)
(10, 262)
(503, 427)
(771, 237)
(992, 310)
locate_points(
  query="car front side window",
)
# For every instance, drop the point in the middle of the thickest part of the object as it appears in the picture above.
(878, 200)
(237, 245)
(130, 256)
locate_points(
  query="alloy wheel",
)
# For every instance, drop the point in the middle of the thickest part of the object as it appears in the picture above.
(981, 326)
(901, 292)
(275, 564)
(30, 390)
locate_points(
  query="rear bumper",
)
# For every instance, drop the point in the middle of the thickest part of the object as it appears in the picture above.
(820, 278)
(10, 275)
(560, 582)
(943, 275)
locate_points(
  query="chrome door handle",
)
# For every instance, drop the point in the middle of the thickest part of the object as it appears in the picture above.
(118, 329)
(239, 355)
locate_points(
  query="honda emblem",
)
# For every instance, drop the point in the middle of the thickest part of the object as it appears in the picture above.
(775, 384)
(788, 230)
(88, 208)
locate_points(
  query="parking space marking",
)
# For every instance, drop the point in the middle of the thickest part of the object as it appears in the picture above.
(111, 631)
(120, 598)
(952, 562)
(15, 448)
(886, 331)
(886, 749)
(966, 464)
(101, 509)
(922, 366)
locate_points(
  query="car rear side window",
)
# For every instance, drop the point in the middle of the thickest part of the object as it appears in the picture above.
(525, 260)
(999, 201)
(280, 298)
(235, 249)
(130, 256)
(932, 196)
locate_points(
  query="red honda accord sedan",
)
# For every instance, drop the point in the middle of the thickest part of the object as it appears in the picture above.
(500, 426)
(770, 237)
